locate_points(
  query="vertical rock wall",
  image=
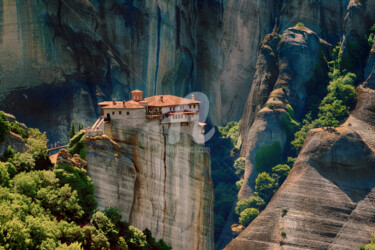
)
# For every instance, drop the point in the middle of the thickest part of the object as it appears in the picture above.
(157, 179)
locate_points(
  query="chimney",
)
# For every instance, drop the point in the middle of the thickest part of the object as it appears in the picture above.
(161, 98)
(192, 97)
(123, 104)
(114, 101)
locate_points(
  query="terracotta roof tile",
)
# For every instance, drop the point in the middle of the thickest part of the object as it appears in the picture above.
(168, 100)
(153, 101)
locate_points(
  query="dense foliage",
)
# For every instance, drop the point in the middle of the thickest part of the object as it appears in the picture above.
(247, 216)
(77, 146)
(53, 207)
(267, 157)
(223, 150)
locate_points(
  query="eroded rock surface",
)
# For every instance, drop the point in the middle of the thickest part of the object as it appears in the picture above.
(328, 200)
(59, 58)
(158, 179)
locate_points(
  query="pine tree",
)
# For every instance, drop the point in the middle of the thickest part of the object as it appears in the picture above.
(72, 131)
(80, 127)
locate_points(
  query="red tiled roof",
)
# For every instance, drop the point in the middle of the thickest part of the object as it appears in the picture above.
(137, 91)
(168, 100)
(120, 105)
(153, 101)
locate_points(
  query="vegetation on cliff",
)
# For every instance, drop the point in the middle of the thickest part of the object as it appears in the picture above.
(47, 207)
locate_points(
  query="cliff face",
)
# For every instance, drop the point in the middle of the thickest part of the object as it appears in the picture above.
(59, 58)
(328, 198)
(327, 202)
(158, 179)
(285, 69)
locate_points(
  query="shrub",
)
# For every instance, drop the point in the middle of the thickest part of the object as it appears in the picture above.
(16, 128)
(300, 25)
(77, 145)
(334, 108)
(267, 157)
(4, 175)
(239, 166)
(281, 171)
(4, 125)
(253, 202)
(72, 131)
(239, 184)
(265, 185)
(23, 162)
(247, 216)
(94, 238)
(78, 179)
(283, 234)
(231, 131)
(10, 168)
(103, 223)
(8, 154)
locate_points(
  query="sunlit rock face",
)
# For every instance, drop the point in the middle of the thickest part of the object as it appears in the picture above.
(327, 202)
(158, 179)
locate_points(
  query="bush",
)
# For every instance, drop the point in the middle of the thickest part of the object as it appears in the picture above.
(16, 128)
(253, 202)
(4, 125)
(231, 131)
(239, 184)
(267, 157)
(265, 185)
(78, 179)
(8, 154)
(239, 166)
(281, 171)
(23, 162)
(4, 175)
(77, 145)
(247, 216)
(103, 223)
(334, 108)
(300, 25)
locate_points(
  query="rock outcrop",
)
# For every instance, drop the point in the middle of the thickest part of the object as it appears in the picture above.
(328, 200)
(158, 179)
(289, 74)
(59, 58)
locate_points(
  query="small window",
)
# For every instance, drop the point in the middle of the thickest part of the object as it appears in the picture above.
(127, 113)
(119, 112)
(113, 113)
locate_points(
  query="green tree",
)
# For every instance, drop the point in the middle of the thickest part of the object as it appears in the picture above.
(77, 145)
(267, 157)
(239, 184)
(61, 201)
(8, 154)
(94, 238)
(103, 223)
(265, 185)
(80, 127)
(23, 162)
(239, 166)
(253, 202)
(4, 125)
(4, 175)
(78, 179)
(72, 131)
(280, 172)
(248, 215)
